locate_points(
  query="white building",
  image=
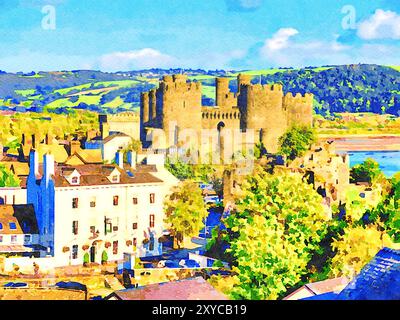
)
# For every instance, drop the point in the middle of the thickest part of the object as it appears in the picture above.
(90, 211)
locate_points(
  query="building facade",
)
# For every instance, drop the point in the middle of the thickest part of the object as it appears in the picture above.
(97, 212)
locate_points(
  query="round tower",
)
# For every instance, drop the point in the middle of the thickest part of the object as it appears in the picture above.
(243, 79)
(222, 90)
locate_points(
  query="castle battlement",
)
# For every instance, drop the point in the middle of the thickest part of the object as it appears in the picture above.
(298, 100)
(123, 117)
(264, 109)
(221, 114)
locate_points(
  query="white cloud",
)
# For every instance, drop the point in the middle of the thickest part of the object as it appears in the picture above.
(281, 51)
(279, 40)
(381, 25)
(137, 59)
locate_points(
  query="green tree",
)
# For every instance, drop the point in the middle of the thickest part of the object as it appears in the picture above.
(273, 233)
(7, 178)
(356, 247)
(180, 169)
(185, 211)
(388, 211)
(368, 171)
(296, 141)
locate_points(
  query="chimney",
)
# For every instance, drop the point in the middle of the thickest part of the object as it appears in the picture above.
(33, 163)
(74, 147)
(48, 167)
(48, 139)
(105, 130)
(33, 141)
(132, 159)
(119, 159)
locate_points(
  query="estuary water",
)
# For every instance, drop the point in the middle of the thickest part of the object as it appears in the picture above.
(389, 161)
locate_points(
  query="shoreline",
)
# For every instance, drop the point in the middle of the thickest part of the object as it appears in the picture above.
(365, 142)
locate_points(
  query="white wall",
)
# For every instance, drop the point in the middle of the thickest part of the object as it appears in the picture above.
(123, 215)
(111, 147)
(13, 195)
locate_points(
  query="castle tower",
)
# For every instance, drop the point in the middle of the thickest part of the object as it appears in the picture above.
(180, 103)
(222, 91)
(152, 107)
(243, 80)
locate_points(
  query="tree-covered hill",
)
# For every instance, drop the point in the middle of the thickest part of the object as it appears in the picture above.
(352, 88)
(349, 88)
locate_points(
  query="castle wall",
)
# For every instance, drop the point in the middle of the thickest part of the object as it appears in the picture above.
(263, 111)
(176, 105)
(181, 102)
(299, 109)
(126, 122)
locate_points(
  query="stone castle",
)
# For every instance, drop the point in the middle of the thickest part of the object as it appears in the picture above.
(177, 104)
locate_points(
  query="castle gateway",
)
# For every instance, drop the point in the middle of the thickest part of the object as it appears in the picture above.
(263, 110)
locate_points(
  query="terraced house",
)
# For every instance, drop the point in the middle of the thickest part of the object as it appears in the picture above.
(97, 212)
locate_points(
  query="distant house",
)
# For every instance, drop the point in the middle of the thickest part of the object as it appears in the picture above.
(188, 289)
(330, 286)
(19, 233)
(378, 280)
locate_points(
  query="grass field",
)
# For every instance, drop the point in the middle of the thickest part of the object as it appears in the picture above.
(396, 68)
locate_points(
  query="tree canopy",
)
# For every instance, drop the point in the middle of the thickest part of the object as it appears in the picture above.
(368, 171)
(185, 210)
(296, 141)
(272, 234)
(7, 178)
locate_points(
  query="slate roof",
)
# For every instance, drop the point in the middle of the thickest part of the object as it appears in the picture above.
(97, 174)
(378, 280)
(188, 289)
(23, 216)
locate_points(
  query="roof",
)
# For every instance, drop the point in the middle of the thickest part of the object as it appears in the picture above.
(22, 216)
(378, 280)
(319, 288)
(188, 289)
(98, 174)
(323, 297)
(115, 135)
(18, 168)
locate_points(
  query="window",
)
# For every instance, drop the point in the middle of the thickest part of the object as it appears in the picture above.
(152, 198)
(134, 226)
(135, 201)
(93, 230)
(134, 242)
(115, 247)
(75, 180)
(115, 228)
(13, 239)
(115, 179)
(27, 238)
(75, 227)
(115, 200)
(13, 226)
(107, 226)
(75, 252)
(152, 218)
(75, 203)
(1, 238)
(93, 202)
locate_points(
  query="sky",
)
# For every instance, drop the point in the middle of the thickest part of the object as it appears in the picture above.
(121, 35)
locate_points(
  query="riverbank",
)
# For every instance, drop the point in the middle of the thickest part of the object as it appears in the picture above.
(364, 142)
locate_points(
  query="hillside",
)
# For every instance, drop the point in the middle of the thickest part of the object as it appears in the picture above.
(353, 88)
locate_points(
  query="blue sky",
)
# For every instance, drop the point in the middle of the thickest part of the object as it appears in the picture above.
(210, 34)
